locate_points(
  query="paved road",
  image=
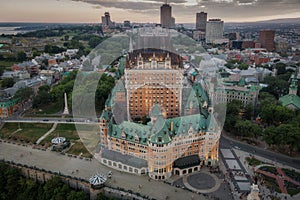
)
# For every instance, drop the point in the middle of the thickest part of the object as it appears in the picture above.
(84, 169)
(51, 120)
(227, 142)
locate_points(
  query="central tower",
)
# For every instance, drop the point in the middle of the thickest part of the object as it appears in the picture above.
(153, 79)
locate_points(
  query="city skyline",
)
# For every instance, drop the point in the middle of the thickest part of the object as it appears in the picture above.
(90, 11)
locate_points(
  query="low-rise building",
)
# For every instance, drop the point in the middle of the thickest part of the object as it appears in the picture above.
(292, 100)
(8, 107)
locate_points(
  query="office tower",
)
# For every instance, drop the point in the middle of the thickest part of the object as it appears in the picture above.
(201, 19)
(127, 24)
(266, 39)
(166, 16)
(106, 22)
(214, 31)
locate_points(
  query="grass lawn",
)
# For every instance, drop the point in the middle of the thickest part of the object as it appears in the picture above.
(272, 170)
(30, 132)
(78, 148)
(292, 188)
(6, 65)
(68, 131)
(292, 174)
(62, 130)
(51, 108)
(253, 161)
(271, 183)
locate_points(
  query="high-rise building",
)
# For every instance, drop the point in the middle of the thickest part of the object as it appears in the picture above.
(127, 24)
(166, 16)
(201, 19)
(266, 39)
(214, 31)
(106, 22)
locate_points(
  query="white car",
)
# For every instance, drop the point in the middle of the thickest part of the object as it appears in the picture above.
(236, 147)
(109, 174)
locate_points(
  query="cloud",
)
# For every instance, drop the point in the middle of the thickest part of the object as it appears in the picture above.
(183, 9)
(132, 4)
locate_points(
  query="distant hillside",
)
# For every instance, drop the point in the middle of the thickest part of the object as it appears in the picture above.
(286, 20)
(273, 21)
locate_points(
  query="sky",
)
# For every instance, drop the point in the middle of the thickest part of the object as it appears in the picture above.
(90, 11)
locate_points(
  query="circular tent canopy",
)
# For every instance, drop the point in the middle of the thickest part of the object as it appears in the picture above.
(58, 140)
(97, 179)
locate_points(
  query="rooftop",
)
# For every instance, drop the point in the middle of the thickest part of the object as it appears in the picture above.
(125, 159)
(290, 99)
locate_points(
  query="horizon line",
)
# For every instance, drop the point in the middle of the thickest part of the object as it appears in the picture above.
(53, 22)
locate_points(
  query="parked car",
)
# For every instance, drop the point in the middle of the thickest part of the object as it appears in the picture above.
(109, 174)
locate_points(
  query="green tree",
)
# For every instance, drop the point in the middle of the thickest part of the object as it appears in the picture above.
(24, 93)
(66, 37)
(248, 112)
(21, 56)
(232, 114)
(266, 98)
(7, 82)
(281, 68)
(234, 107)
(277, 87)
(42, 98)
(94, 41)
(246, 128)
(276, 114)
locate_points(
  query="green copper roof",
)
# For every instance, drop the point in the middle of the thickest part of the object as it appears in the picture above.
(119, 86)
(160, 132)
(253, 88)
(290, 99)
(133, 132)
(192, 101)
(201, 94)
(155, 111)
(106, 115)
(211, 122)
(6, 104)
(294, 83)
(242, 82)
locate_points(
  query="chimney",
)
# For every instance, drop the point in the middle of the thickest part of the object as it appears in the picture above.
(171, 126)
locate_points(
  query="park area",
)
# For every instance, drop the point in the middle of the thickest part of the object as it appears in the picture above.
(281, 180)
(29, 133)
(24, 132)
(69, 132)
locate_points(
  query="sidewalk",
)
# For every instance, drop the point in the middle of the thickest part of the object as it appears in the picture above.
(85, 169)
(46, 134)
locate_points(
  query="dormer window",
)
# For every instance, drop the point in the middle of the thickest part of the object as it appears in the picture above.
(136, 138)
(159, 139)
(123, 135)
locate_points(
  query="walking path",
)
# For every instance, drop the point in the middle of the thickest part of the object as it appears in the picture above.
(15, 132)
(46, 134)
(263, 189)
(280, 178)
(82, 168)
